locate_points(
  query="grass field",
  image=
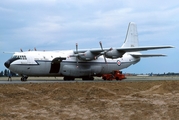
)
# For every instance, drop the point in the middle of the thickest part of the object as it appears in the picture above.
(91, 100)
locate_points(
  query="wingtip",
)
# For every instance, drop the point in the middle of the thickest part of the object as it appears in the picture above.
(172, 46)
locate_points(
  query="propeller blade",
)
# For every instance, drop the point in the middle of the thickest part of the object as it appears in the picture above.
(101, 45)
(103, 52)
(77, 55)
(109, 50)
(77, 48)
(105, 59)
(77, 62)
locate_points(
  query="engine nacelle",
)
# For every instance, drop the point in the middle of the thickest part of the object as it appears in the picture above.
(114, 54)
(87, 56)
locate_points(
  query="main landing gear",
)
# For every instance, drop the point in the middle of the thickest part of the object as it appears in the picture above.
(86, 78)
(68, 78)
(24, 78)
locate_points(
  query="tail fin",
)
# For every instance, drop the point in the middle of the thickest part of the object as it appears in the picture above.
(131, 36)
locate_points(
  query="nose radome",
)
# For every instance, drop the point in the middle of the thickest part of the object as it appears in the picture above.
(7, 64)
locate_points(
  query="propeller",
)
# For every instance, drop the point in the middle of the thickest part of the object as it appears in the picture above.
(76, 55)
(103, 52)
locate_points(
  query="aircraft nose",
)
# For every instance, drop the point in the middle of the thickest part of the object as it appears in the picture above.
(7, 64)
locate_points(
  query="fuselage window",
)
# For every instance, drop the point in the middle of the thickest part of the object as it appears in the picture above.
(22, 57)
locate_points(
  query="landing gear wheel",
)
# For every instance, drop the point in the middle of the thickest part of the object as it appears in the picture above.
(117, 78)
(88, 78)
(68, 78)
(104, 78)
(24, 78)
(91, 78)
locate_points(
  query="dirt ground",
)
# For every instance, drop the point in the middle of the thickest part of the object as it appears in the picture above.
(157, 100)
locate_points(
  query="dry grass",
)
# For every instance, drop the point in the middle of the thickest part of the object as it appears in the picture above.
(103, 100)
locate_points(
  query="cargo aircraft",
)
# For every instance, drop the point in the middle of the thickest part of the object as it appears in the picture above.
(84, 64)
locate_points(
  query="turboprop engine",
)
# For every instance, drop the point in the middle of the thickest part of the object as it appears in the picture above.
(114, 54)
(87, 56)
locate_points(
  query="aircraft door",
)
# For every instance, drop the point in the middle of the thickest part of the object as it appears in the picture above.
(27, 69)
(55, 64)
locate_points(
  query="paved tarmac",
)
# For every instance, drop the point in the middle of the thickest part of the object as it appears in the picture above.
(16, 80)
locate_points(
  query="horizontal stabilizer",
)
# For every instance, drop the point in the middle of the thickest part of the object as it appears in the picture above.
(148, 55)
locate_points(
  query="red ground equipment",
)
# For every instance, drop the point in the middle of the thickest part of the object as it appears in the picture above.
(115, 75)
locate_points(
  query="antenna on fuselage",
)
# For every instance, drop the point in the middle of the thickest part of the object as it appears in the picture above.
(35, 49)
(21, 50)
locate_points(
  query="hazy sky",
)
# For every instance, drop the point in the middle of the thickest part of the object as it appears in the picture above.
(59, 24)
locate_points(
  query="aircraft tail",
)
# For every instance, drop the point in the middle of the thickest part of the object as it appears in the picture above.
(131, 36)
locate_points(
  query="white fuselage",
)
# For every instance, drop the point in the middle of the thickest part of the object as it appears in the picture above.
(58, 63)
(81, 63)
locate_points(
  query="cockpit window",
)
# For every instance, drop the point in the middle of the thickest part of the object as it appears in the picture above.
(22, 57)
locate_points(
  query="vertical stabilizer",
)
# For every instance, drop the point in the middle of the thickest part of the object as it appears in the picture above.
(131, 36)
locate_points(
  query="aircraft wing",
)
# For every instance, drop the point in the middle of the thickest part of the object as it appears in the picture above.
(127, 49)
(92, 54)
(144, 48)
(147, 55)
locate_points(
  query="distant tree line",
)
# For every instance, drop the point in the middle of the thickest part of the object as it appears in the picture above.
(168, 74)
(6, 73)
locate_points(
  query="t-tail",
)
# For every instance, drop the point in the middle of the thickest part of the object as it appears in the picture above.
(131, 36)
